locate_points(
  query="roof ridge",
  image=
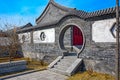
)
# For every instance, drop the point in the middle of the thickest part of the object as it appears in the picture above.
(102, 9)
(61, 6)
(101, 12)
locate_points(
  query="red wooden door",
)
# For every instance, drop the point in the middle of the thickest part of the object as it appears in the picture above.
(77, 36)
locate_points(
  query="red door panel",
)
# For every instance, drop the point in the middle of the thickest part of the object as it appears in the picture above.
(77, 36)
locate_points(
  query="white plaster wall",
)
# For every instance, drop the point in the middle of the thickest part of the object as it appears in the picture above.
(49, 36)
(27, 37)
(101, 31)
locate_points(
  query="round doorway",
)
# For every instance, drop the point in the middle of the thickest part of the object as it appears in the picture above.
(71, 40)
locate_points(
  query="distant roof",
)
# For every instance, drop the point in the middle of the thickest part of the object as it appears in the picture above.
(26, 26)
(88, 16)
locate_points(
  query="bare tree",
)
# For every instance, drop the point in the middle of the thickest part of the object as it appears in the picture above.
(11, 42)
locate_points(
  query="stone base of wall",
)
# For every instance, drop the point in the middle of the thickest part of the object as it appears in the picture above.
(46, 57)
(98, 66)
(13, 66)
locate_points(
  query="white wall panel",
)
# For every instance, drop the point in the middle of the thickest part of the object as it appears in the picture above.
(44, 36)
(24, 37)
(101, 31)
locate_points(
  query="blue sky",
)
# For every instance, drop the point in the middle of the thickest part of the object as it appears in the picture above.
(20, 12)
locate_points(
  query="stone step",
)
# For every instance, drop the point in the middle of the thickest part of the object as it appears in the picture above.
(61, 67)
(67, 60)
(55, 62)
(58, 71)
(72, 69)
(70, 57)
(64, 63)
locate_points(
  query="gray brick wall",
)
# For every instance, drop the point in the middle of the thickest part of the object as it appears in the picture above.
(101, 52)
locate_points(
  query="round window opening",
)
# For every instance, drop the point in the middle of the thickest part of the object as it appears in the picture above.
(71, 39)
(42, 36)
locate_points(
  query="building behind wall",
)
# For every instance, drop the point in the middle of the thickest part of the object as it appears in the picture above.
(98, 52)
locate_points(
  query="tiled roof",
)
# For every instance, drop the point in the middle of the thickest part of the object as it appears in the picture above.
(83, 14)
(89, 16)
(101, 14)
(27, 25)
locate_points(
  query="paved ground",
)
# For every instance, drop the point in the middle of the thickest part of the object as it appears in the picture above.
(41, 75)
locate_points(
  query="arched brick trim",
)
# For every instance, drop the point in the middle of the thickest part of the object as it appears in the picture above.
(61, 37)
